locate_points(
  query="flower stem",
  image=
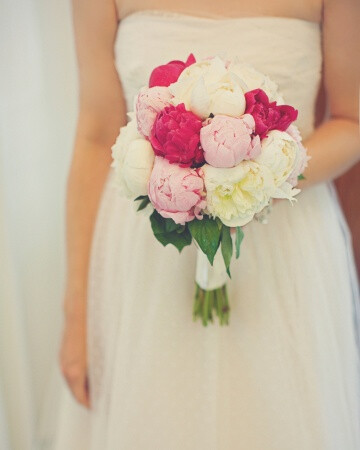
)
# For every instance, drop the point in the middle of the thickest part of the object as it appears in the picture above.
(210, 303)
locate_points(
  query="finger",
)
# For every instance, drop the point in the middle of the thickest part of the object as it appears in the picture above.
(87, 392)
(81, 394)
(79, 387)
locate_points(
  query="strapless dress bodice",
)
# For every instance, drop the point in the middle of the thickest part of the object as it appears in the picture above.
(286, 49)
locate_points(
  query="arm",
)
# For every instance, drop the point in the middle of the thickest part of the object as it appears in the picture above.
(101, 113)
(335, 145)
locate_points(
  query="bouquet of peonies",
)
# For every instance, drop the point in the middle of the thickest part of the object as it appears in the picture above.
(210, 144)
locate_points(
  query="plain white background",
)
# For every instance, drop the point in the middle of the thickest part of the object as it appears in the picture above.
(38, 92)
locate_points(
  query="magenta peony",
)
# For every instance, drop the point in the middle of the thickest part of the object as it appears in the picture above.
(227, 141)
(268, 116)
(176, 136)
(169, 73)
(149, 103)
(176, 193)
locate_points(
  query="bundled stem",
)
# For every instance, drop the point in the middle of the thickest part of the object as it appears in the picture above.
(208, 303)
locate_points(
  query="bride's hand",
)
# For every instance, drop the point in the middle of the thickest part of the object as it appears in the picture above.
(73, 353)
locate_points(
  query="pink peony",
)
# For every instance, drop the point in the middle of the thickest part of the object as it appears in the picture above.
(302, 158)
(176, 136)
(268, 116)
(169, 73)
(175, 192)
(148, 103)
(227, 141)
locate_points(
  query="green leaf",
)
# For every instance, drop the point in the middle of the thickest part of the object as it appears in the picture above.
(301, 177)
(206, 233)
(226, 247)
(170, 226)
(238, 240)
(180, 236)
(141, 197)
(219, 223)
(181, 229)
(144, 202)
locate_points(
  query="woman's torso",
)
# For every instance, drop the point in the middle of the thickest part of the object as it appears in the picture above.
(286, 49)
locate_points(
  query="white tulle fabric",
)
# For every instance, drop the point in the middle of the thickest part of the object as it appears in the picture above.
(284, 375)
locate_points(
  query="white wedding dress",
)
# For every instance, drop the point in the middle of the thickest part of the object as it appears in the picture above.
(284, 375)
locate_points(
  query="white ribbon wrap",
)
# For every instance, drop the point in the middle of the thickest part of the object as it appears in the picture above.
(208, 276)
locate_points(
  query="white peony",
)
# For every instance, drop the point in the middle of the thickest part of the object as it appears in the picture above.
(256, 80)
(279, 154)
(211, 69)
(236, 194)
(302, 158)
(133, 160)
(208, 88)
(127, 134)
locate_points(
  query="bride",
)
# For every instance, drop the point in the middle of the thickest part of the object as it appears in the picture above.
(285, 373)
